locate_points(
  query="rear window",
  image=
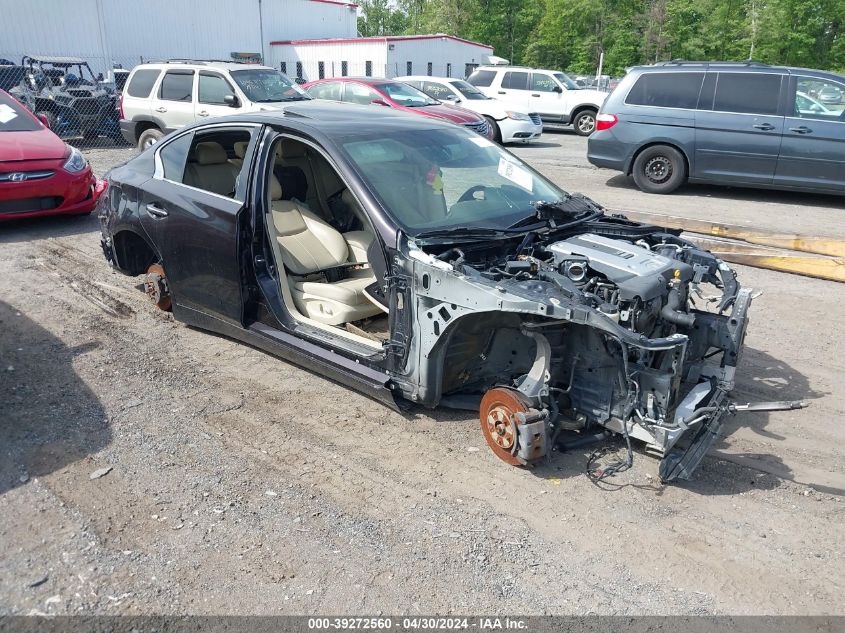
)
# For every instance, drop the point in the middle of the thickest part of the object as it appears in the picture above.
(177, 85)
(483, 78)
(747, 93)
(667, 90)
(142, 83)
(14, 118)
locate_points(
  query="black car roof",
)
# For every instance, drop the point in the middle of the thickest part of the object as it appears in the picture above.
(331, 116)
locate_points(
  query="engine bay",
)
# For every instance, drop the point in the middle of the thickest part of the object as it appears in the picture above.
(636, 332)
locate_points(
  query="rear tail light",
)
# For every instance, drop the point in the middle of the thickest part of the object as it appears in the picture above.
(120, 106)
(606, 121)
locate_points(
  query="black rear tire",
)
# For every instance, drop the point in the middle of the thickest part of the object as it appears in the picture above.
(659, 169)
(584, 122)
(149, 138)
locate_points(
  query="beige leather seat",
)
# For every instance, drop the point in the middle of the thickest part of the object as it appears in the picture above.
(211, 170)
(240, 152)
(292, 153)
(309, 245)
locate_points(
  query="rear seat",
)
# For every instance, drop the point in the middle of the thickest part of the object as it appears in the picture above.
(211, 170)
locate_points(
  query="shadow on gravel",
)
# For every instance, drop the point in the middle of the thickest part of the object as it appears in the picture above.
(50, 417)
(35, 229)
(762, 378)
(750, 194)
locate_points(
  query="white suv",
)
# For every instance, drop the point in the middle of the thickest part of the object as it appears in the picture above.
(509, 126)
(162, 97)
(553, 95)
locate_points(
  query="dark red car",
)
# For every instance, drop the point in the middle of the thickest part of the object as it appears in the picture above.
(398, 95)
(39, 173)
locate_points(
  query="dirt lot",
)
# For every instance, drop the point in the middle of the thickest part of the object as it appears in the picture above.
(242, 484)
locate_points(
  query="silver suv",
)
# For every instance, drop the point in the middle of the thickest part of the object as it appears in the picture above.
(162, 97)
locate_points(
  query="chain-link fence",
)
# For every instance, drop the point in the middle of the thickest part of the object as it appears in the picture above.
(78, 97)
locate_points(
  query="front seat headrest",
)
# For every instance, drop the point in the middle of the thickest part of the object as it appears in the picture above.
(292, 149)
(210, 153)
(275, 188)
(293, 181)
(240, 148)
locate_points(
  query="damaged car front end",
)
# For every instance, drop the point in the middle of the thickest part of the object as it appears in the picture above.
(588, 323)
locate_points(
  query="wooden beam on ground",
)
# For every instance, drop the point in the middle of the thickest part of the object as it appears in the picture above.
(804, 243)
(818, 266)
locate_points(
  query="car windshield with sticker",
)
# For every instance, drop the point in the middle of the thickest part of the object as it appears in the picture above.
(436, 178)
(13, 118)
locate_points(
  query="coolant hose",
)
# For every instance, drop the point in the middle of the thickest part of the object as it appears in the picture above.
(671, 311)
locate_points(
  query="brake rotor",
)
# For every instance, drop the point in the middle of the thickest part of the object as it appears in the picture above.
(498, 423)
(155, 285)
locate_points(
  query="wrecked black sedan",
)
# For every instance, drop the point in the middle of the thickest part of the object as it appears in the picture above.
(415, 260)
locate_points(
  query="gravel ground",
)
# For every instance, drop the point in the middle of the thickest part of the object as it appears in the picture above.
(241, 484)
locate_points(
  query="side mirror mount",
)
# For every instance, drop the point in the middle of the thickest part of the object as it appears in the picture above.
(44, 120)
(232, 101)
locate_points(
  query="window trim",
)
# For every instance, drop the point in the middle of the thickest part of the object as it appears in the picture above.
(211, 73)
(178, 71)
(706, 73)
(792, 95)
(531, 87)
(153, 86)
(158, 172)
(528, 81)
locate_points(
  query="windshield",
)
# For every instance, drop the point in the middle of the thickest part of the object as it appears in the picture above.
(13, 118)
(406, 95)
(263, 85)
(445, 178)
(470, 92)
(566, 81)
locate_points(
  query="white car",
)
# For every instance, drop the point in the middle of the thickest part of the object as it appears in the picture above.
(509, 126)
(553, 95)
(161, 97)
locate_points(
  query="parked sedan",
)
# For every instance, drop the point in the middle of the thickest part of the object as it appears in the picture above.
(509, 126)
(414, 260)
(397, 95)
(39, 173)
(830, 94)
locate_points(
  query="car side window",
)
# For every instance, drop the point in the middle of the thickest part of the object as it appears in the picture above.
(748, 93)
(542, 83)
(357, 93)
(173, 157)
(515, 81)
(482, 78)
(666, 90)
(213, 89)
(332, 90)
(177, 85)
(142, 83)
(438, 91)
(819, 99)
(208, 160)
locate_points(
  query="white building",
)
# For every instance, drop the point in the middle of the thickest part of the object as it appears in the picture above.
(390, 56)
(125, 32)
(305, 38)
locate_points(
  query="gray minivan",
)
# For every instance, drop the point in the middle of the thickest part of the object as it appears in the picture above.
(744, 123)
